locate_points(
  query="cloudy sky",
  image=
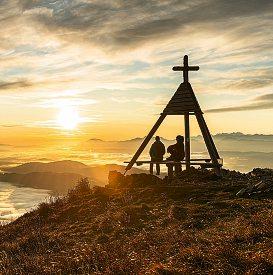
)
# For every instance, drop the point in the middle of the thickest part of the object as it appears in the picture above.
(79, 69)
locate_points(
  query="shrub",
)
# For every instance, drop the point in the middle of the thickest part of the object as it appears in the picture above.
(44, 210)
(82, 187)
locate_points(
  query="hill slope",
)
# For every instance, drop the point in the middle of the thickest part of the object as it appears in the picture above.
(59, 176)
(59, 183)
(197, 226)
(65, 166)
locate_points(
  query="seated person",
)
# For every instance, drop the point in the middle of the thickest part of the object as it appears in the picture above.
(157, 152)
(177, 152)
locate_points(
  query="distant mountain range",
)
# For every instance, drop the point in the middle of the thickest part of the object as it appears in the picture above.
(224, 142)
(137, 139)
(241, 136)
(234, 135)
(59, 176)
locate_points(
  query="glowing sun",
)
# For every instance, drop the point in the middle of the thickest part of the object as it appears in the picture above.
(68, 118)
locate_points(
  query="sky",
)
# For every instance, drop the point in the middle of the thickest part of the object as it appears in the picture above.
(75, 70)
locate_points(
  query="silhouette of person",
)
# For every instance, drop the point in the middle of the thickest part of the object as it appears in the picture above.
(157, 152)
(177, 152)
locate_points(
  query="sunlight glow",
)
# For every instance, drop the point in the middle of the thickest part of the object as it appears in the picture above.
(68, 118)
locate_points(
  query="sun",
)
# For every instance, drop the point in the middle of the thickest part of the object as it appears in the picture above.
(68, 118)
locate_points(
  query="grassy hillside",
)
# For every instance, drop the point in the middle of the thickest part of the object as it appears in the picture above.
(140, 224)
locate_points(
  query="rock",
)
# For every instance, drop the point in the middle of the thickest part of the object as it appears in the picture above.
(115, 178)
(260, 185)
(262, 172)
(241, 192)
(118, 180)
(260, 182)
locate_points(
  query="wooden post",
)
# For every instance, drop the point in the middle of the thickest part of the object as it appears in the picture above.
(186, 69)
(170, 171)
(187, 141)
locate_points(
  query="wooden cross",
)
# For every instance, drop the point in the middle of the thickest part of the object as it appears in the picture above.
(186, 68)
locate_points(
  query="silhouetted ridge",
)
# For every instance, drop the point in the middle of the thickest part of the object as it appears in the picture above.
(196, 227)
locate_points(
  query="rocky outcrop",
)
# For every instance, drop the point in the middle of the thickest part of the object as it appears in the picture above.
(257, 182)
(260, 182)
(118, 180)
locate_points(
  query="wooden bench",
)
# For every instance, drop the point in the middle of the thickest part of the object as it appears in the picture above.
(203, 163)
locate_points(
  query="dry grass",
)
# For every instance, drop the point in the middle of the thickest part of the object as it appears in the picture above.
(200, 228)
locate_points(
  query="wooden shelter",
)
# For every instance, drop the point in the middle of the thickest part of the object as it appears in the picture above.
(184, 103)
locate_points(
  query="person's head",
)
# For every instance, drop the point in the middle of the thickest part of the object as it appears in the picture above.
(180, 138)
(157, 138)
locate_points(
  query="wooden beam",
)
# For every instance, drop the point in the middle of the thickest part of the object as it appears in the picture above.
(145, 142)
(209, 142)
(166, 161)
(187, 140)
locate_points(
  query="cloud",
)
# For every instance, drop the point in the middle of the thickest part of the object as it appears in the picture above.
(246, 79)
(259, 103)
(250, 83)
(129, 23)
(61, 31)
(10, 125)
(124, 50)
(27, 85)
(14, 85)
